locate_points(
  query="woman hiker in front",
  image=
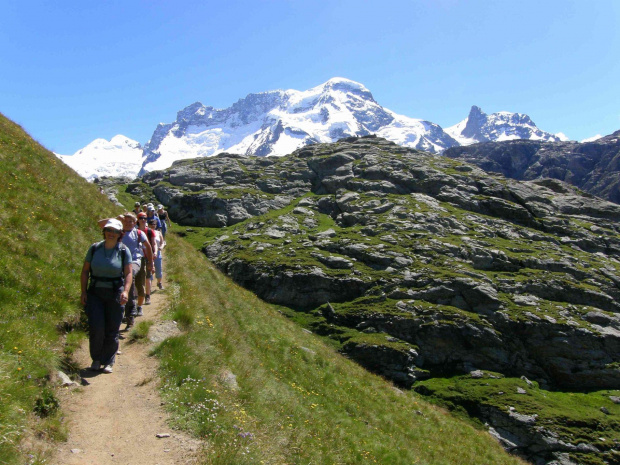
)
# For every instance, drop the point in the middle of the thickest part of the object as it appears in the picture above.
(108, 264)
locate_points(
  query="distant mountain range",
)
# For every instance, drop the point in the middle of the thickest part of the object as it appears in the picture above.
(278, 122)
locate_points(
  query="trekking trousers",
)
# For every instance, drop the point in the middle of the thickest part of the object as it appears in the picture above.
(130, 308)
(104, 313)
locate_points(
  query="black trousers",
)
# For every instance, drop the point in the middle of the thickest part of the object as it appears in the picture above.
(105, 314)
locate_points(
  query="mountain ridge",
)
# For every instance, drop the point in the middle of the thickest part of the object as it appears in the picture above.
(280, 121)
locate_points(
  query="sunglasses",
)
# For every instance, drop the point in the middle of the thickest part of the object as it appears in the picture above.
(141, 219)
(111, 230)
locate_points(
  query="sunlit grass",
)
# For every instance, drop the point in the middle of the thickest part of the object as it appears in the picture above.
(140, 332)
(47, 220)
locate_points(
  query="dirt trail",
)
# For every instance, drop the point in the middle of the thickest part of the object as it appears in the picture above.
(115, 418)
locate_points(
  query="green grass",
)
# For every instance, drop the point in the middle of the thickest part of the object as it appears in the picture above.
(47, 220)
(140, 332)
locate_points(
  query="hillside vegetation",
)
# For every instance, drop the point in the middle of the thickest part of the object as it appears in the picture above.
(47, 220)
(254, 386)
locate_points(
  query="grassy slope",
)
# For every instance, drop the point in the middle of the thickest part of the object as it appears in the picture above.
(297, 401)
(47, 216)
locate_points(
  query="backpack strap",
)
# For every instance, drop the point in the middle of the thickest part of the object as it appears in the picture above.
(124, 251)
(121, 248)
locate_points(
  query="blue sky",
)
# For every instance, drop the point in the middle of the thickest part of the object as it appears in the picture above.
(73, 71)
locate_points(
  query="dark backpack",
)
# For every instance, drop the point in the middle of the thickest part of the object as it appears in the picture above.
(121, 279)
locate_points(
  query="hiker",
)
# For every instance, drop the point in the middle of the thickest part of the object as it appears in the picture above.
(136, 208)
(150, 234)
(163, 218)
(161, 243)
(108, 264)
(150, 214)
(142, 257)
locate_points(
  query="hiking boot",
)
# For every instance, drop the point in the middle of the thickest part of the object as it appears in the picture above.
(107, 369)
(129, 323)
(160, 286)
(147, 300)
(139, 312)
(96, 366)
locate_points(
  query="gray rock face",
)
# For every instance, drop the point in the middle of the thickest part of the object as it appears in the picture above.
(520, 278)
(592, 166)
(521, 435)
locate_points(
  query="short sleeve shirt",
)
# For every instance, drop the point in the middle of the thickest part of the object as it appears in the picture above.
(133, 240)
(107, 263)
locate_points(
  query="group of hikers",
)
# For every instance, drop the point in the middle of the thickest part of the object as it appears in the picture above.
(117, 277)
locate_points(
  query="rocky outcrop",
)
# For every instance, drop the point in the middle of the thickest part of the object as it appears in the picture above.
(592, 166)
(418, 265)
(480, 271)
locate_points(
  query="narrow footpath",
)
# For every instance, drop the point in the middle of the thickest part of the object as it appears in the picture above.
(116, 418)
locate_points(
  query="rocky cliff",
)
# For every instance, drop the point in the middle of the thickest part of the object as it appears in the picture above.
(591, 166)
(420, 266)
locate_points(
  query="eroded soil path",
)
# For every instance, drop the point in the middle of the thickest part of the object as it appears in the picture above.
(115, 418)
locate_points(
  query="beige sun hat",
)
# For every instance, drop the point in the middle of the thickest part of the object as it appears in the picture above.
(114, 224)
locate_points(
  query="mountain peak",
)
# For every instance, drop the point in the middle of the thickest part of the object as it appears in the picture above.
(502, 125)
(190, 111)
(476, 112)
(343, 83)
(346, 86)
(475, 122)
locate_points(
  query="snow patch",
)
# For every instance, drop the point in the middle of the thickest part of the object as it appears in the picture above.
(592, 139)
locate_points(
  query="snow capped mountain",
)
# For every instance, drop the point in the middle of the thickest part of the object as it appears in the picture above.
(281, 121)
(278, 122)
(120, 156)
(480, 127)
